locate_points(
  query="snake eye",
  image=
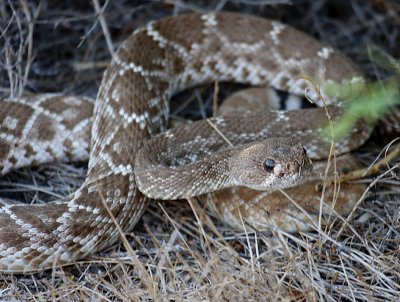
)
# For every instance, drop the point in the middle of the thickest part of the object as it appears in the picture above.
(269, 164)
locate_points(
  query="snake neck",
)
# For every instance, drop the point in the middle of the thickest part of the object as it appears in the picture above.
(159, 178)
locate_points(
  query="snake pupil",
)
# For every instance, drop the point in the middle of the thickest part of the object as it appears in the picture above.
(269, 164)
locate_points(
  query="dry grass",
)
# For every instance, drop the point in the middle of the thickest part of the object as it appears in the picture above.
(177, 252)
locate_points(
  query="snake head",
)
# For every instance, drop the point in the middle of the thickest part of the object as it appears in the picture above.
(275, 163)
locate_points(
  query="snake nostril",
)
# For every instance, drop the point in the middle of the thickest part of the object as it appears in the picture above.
(292, 167)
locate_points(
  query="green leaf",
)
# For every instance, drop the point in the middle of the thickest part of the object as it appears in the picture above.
(373, 102)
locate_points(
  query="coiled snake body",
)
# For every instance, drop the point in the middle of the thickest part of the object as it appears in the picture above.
(155, 62)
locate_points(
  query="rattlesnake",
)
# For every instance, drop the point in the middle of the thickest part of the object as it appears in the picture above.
(155, 62)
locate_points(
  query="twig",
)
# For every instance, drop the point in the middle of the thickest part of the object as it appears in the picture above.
(215, 97)
(103, 24)
(361, 173)
(219, 132)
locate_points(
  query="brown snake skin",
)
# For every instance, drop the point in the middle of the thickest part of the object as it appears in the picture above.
(155, 62)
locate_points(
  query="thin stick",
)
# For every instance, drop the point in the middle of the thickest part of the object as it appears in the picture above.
(215, 98)
(219, 132)
(361, 173)
(103, 24)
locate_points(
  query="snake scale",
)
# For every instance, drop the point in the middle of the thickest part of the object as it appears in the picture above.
(155, 62)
